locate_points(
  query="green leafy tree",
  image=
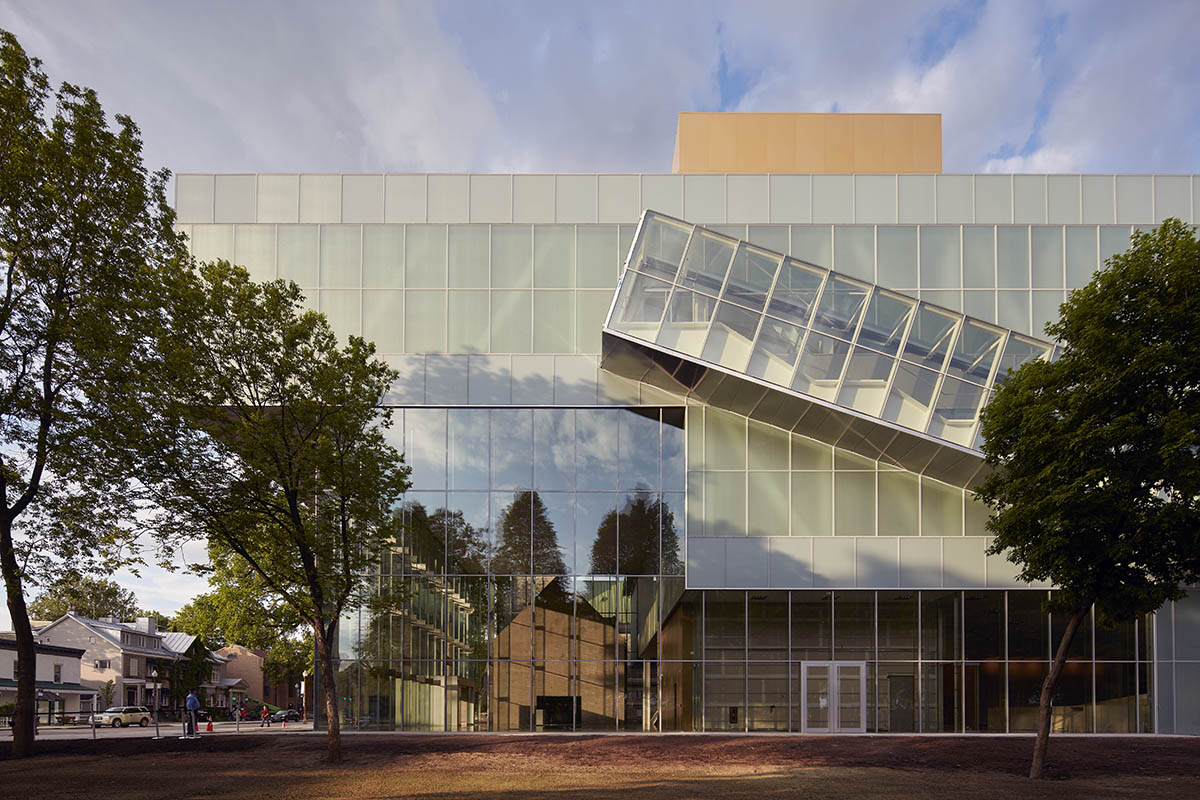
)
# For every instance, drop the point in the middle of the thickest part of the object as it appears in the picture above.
(242, 609)
(276, 452)
(1096, 456)
(87, 251)
(107, 691)
(88, 596)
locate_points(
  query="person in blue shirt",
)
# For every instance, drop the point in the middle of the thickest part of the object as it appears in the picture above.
(192, 726)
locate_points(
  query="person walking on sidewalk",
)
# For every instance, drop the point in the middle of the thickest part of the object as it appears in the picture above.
(266, 716)
(192, 711)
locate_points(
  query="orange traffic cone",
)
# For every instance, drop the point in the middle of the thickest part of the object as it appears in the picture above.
(210, 726)
(285, 722)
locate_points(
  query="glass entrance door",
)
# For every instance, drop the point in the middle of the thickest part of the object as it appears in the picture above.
(833, 693)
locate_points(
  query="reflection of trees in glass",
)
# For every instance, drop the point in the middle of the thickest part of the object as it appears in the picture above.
(635, 550)
(466, 545)
(525, 528)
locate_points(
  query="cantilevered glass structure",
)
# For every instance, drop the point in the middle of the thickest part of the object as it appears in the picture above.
(823, 351)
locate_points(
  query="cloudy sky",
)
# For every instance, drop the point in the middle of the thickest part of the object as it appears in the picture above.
(1023, 86)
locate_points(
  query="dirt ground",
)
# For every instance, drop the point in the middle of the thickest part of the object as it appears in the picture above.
(661, 767)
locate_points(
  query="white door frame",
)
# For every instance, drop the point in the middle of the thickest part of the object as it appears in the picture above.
(833, 676)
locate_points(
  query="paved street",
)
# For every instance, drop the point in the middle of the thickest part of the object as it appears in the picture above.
(167, 729)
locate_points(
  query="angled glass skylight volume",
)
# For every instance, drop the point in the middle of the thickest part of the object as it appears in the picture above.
(807, 330)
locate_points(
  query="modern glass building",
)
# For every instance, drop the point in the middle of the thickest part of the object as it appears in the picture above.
(695, 451)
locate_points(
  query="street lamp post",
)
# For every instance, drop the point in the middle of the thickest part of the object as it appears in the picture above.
(154, 677)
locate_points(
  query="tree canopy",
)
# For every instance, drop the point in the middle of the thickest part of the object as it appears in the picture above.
(275, 451)
(87, 253)
(1096, 455)
(90, 597)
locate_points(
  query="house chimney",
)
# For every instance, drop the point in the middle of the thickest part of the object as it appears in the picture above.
(147, 624)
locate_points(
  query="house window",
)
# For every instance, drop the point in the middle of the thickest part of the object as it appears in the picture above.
(58, 673)
(103, 663)
(91, 640)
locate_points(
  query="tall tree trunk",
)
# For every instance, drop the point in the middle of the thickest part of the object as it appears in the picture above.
(333, 717)
(1038, 768)
(22, 722)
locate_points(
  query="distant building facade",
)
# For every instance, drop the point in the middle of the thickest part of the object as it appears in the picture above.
(57, 677)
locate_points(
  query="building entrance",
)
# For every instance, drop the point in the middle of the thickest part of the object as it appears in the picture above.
(833, 696)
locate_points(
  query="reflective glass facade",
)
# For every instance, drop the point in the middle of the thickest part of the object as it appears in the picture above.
(641, 529)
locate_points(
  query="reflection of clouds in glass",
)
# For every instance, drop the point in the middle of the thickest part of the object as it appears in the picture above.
(554, 448)
(467, 438)
(425, 446)
(596, 448)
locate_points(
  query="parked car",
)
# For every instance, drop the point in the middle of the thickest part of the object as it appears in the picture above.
(286, 715)
(120, 716)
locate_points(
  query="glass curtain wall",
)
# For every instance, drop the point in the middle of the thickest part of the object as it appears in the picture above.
(525, 593)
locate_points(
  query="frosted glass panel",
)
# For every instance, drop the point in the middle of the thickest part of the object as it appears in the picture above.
(554, 256)
(425, 256)
(383, 256)
(1045, 309)
(725, 503)
(590, 310)
(512, 256)
(813, 243)
(512, 321)
(597, 256)
(1114, 239)
(768, 504)
(724, 440)
(341, 256)
(1082, 255)
(343, 309)
(768, 446)
(1046, 247)
(553, 322)
(297, 259)
(383, 320)
(854, 251)
(278, 198)
(254, 249)
(899, 502)
(1012, 310)
(468, 321)
(468, 253)
(979, 257)
(898, 257)
(809, 454)
(424, 322)
(941, 509)
(812, 504)
(1018, 351)
(939, 257)
(686, 324)
(854, 503)
(1012, 258)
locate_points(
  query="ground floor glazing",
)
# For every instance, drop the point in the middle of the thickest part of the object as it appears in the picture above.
(558, 653)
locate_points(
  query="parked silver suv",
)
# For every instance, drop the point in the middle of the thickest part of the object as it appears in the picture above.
(120, 716)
